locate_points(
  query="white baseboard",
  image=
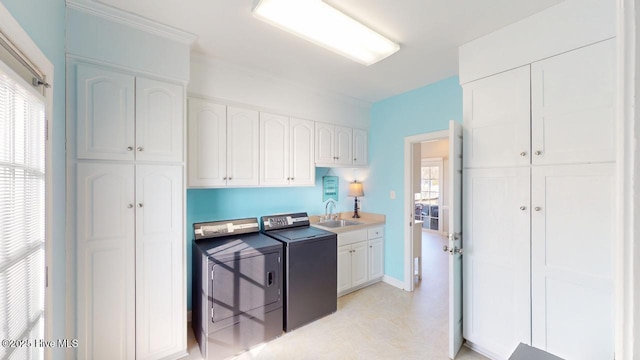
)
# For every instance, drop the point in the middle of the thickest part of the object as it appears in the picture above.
(480, 350)
(393, 282)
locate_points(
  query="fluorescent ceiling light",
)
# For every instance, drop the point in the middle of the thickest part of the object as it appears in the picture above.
(322, 24)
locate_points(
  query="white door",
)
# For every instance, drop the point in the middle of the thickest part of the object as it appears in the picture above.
(573, 232)
(159, 121)
(343, 145)
(359, 266)
(455, 238)
(376, 259)
(497, 120)
(106, 261)
(360, 147)
(243, 147)
(274, 149)
(324, 143)
(160, 306)
(105, 114)
(573, 106)
(207, 146)
(303, 169)
(344, 268)
(496, 260)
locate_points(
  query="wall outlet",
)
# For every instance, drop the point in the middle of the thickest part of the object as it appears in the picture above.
(392, 195)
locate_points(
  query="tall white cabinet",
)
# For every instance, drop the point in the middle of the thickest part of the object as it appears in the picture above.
(130, 214)
(539, 191)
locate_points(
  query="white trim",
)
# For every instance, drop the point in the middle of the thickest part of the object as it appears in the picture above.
(627, 163)
(439, 162)
(132, 20)
(408, 200)
(393, 282)
(14, 32)
(71, 58)
(482, 351)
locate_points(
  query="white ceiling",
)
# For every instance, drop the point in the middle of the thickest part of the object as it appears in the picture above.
(429, 33)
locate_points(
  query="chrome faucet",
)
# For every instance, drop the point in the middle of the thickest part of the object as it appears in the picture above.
(329, 210)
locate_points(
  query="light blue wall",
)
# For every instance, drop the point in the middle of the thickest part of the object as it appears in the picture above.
(44, 21)
(423, 110)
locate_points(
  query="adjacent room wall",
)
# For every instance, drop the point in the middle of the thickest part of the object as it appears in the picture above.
(423, 110)
(44, 21)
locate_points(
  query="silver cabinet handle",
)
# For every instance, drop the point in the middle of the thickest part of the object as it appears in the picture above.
(537, 208)
(129, 148)
(538, 152)
(225, 178)
(129, 206)
(292, 179)
(523, 208)
(288, 178)
(354, 159)
(523, 154)
(140, 148)
(139, 205)
(230, 177)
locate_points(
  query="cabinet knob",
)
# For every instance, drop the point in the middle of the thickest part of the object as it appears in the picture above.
(292, 179)
(140, 148)
(224, 178)
(354, 159)
(129, 206)
(230, 178)
(129, 148)
(537, 208)
(139, 205)
(523, 208)
(538, 152)
(288, 178)
(523, 153)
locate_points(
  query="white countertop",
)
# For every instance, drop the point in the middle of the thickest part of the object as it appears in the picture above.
(366, 220)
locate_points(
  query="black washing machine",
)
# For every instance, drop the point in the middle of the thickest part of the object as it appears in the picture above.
(310, 268)
(237, 287)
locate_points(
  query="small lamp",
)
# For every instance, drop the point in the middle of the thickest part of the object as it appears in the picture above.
(355, 190)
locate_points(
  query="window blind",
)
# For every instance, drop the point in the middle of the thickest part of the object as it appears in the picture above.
(22, 222)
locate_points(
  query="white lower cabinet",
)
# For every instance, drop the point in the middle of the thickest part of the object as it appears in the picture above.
(130, 261)
(360, 259)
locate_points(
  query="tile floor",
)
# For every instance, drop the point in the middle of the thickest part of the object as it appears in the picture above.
(377, 322)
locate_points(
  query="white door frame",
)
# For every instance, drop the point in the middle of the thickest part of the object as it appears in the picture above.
(627, 249)
(408, 200)
(14, 32)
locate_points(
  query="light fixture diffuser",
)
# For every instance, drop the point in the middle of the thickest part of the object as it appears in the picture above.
(318, 22)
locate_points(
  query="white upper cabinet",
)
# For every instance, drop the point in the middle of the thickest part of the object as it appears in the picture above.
(286, 151)
(573, 112)
(243, 146)
(105, 113)
(360, 147)
(207, 152)
(302, 169)
(497, 120)
(159, 120)
(121, 117)
(339, 145)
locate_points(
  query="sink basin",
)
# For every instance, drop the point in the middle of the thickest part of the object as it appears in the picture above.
(338, 223)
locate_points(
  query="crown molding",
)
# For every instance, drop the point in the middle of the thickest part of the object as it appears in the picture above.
(126, 18)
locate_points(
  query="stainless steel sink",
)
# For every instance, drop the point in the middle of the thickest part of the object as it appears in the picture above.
(338, 223)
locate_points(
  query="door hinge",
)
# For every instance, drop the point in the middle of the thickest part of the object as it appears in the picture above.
(278, 259)
(211, 274)
(211, 313)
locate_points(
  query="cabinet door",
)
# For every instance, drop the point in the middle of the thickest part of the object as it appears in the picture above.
(344, 268)
(376, 258)
(324, 144)
(159, 121)
(343, 145)
(105, 114)
(359, 263)
(497, 120)
(274, 150)
(105, 261)
(243, 146)
(207, 155)
(496, 261)
(573, 112)
(360, 147)
(160, 272)
(303, 169)
(573, 232)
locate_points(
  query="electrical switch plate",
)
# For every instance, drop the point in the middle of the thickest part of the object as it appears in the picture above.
(393, 194)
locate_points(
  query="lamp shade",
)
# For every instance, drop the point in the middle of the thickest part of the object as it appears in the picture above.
(355, 189)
